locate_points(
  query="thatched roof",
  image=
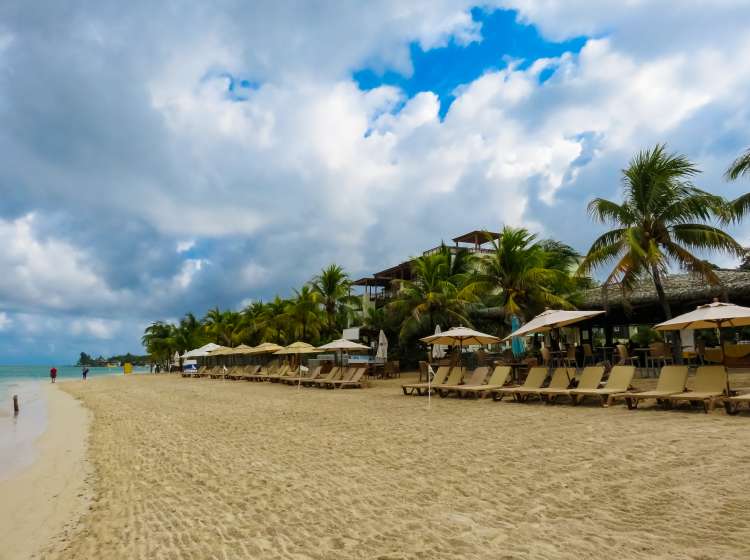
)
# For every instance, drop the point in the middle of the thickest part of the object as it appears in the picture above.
(678, 287)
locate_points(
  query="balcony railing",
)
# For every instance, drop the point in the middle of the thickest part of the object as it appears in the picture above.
(454, 249)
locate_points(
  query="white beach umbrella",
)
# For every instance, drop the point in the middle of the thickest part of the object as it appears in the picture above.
(716, 315)
(382, 353)
(552, 319)
(202, 351)
(438, 350)
(343, 345)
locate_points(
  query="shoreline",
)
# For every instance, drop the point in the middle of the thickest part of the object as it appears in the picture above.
(42, 501)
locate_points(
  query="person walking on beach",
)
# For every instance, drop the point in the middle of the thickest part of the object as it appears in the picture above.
(85, 373)
(53, 374)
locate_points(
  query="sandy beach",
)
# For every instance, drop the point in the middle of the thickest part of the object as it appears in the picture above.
(41, 504)
(197, 468)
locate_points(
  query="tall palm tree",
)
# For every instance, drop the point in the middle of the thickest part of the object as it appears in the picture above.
(437, 294)
(303, 314)
(159, 341)
(221, 326)
(523, 274)
(740, 206)
(332, 286)
(661, 221)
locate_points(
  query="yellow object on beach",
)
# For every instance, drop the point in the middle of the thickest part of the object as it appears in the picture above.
(127, 368)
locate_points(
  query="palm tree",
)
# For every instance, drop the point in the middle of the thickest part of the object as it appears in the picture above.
(221, 326)
(439, 293)
(159, 341)
(523, 275)
(741, 205)
(332, 286)
(662, 219)
(303, 314)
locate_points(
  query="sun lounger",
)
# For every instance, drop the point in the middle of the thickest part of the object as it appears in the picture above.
(248, 372)
(354, 381)
(590, 379)
(454, 379)
(560, 381)
(732, 404)
(335, 373)
(346, 375)
(313, 374)
(477, 379)
(418, 388)
(672, 381)
(710, 384)
(283, 371)
(497, 380)
(534, 380)
(619, 381)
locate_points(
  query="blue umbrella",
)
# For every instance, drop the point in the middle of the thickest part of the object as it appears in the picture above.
(519, 348)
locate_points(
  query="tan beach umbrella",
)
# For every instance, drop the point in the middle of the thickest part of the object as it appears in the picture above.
(266, 348)
(553, 319)
(242, 349)
(460, 336)
(298, 348)
(344, 345)
(716, 315)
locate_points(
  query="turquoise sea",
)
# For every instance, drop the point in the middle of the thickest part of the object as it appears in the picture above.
(18, 433)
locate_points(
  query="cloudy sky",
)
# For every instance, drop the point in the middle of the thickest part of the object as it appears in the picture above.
(161, 157)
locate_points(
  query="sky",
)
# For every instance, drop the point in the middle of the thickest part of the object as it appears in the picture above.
(164, 157)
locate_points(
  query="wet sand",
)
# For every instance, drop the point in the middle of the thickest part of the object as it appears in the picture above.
(41, 503)
(209, 469)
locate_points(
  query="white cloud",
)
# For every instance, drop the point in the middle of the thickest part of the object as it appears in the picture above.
(5, 321)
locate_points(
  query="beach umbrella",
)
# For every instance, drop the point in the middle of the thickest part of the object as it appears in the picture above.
(552, 319)
(382, 353)
(297, 348)
(344, 345)
(202, 351)
(716, 315)
(438, 350)
(266, 348)
(517, 345)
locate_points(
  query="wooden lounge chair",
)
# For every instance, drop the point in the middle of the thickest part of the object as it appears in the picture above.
(558, 384)
(590, 379)
(454, 379)
(672, 381)
(732, 404)
(619, 381)
(497, 380)
(283, 371)
(710, 384)
(354, 381)
(312, 374)
(477, 379)
(418, 388)
(335, 373)
(534, 380)
(249, 371)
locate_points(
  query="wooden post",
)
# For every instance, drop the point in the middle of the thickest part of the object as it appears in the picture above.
(15, 404)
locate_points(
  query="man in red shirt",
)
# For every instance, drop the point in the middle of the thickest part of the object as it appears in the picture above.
(53, 374)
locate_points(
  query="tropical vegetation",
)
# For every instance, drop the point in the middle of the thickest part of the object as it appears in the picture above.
(662, 222)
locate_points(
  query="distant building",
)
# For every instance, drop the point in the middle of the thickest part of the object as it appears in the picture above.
(379, 288)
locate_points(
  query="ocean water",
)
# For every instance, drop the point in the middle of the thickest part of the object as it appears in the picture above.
(18, 433)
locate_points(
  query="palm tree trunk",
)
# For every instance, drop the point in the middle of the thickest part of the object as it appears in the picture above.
(676, 341)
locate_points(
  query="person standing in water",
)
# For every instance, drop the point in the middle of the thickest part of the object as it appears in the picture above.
(53, 374)
(85, 373)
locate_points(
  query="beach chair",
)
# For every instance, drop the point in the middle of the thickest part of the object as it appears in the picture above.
(497, 380)
(590, 379)
(477, 378)
(534, 380)
(354, 381)
(672, 381)
(417, 388)
(732, 404)
(619, 382)
(283, 371)
(711, 383)
(346, 375)
(312, 374)
(249, 372)
(335, 373)
(559, 382)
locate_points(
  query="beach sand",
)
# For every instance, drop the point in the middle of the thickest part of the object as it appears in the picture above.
(42, 503)
(209, 469)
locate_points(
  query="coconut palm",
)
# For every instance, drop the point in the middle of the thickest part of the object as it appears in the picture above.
(439, 293)
(523, 275)
(332, 286)
(661, 221)
(740, 167)
(221, 326)
(303, 314)
(159, 341)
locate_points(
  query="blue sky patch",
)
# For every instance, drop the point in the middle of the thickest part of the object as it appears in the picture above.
(442, 70)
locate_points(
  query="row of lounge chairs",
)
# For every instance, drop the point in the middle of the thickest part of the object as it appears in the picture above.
(710, 386)
(337, 377)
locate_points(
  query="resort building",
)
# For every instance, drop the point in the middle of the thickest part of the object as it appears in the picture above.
(379, 288)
